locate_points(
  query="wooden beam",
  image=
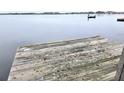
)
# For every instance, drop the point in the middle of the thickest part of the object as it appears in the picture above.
(120, 69)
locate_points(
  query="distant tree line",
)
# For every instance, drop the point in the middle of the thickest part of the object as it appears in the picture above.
(56, 13)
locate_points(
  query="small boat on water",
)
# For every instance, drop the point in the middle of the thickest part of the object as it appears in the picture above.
(120, 19)
(91, 16)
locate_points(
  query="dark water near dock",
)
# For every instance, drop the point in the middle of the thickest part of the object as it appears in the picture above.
(17, 30)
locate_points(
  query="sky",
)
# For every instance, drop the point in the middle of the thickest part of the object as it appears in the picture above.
(61, 5)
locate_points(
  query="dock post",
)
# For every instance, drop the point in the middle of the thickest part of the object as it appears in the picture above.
(120, 69)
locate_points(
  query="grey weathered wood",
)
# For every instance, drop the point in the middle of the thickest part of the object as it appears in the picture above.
(120, 69)
(93, 58)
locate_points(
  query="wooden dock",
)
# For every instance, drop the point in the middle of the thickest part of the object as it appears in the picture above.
(93, 58)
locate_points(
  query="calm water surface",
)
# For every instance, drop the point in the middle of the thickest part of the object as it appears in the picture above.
(16, 30)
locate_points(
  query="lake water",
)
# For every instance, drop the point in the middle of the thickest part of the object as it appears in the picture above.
(16, 30)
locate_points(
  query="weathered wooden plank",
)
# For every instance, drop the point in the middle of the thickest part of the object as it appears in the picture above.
(93, 58)
(70, 56)
(120, 69)
(63, 43)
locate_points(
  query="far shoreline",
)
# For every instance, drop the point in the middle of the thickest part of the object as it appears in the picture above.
(60, 13)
